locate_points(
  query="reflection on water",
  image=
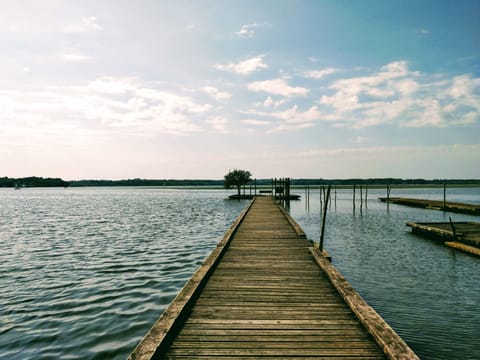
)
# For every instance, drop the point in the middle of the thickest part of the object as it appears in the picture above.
(84, 273)
(428, 293)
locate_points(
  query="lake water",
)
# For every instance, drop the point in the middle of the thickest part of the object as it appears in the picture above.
(429, 293)
(85, 272)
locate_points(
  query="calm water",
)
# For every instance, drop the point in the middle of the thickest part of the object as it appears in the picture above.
(429, 293)
(85, 272)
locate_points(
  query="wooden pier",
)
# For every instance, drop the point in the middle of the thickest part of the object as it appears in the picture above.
(264, 292)
(455, 207)
(464, 236)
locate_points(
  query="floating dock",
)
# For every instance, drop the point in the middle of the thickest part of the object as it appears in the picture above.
(265, 292)
(462, 208)
(464, 236)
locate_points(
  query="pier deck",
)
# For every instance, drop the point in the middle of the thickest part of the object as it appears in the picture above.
(462, 208)
(464, 236)
(265, 293)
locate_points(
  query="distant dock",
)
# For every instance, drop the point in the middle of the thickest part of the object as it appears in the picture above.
(462, 208)
(464, 236)
(265, 292)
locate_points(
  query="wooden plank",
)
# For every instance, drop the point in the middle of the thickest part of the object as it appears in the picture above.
(466, 237)
(159, 336)
(268, 298)
(393, 346)
(471, 209)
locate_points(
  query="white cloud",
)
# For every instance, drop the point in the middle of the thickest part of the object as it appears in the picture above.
(86, 25)
(218, 124)
(255, 122)
(76, 57)
(277, 87)
(217, 94)
(422, 32)
(398, 95)
(291, 119)
(247, 31)
(318, 74)
(269, 102)
(104, 105)
(359, 140)
(244, 67)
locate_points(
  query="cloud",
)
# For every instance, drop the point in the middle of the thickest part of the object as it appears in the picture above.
(318, 74)
(86, 25)
(105, 105)
(397, 95)
(422, 32)
(277, 87)
(291, 119)
(218, 124)
(217, 94)
(255, 122)
(76, 57)
(247, 31)
(269, 102)
(244, 67)
(389, 151)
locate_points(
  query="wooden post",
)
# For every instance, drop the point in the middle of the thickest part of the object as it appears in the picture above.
(354, 186)
(274, 189)
(287, 189)
(335, 196)
(453, 229)
(361, 197)
(321, 201)
(366, 195)
(444, 195)
(255, 186)
(308, 195)
(322, 231)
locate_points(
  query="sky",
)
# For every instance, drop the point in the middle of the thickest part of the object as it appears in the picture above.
(191, 89)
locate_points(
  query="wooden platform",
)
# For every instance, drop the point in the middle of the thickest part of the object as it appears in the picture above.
(265, 293)
(455, 207)
(465, 238)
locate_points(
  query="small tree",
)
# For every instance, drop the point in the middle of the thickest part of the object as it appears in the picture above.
(236, 178)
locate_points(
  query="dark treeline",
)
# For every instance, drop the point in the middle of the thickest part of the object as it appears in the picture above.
(147, 182)
(383, 181)
(34, 181)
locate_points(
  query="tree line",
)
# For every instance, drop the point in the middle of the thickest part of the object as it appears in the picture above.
(34, 181)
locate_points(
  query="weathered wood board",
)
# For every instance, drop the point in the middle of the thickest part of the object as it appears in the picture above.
(268, 297)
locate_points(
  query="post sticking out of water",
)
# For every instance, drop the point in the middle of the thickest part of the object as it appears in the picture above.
(354, 186)
(444, 195)
(335, 196)
(321, 201)
(322, 231)
(366, 194)
(361, 197)
(454, 233)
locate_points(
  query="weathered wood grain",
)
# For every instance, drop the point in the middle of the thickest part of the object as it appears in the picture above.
(267, 297)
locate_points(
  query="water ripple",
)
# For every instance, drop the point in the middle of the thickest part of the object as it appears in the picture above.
(86, 272)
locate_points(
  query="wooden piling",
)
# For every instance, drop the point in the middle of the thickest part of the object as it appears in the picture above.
(354, 186)
(324, 216)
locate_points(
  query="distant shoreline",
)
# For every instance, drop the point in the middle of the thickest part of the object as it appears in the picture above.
(295, 183)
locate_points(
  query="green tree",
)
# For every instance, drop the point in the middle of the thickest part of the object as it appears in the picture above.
(236, 178)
